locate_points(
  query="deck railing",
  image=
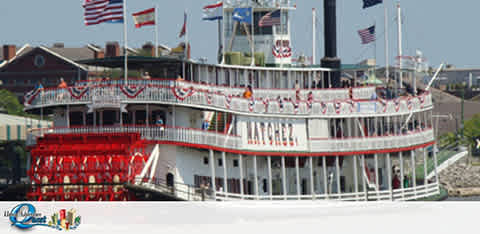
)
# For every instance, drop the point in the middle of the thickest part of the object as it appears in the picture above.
(325, 102)
(405, 194)
(234, 142)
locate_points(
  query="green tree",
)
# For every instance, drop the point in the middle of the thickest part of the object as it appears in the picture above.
(10, 103)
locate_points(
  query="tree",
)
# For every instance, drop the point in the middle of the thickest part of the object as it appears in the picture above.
(10, 103)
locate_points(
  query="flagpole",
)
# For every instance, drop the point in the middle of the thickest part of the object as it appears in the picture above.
(223, 37)
(156, 31)
(219, 21)
(314, 36)
(386, 43)
(253, 39)
(125, 52)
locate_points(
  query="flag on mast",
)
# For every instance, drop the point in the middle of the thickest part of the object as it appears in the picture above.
(143, 18)
(184, 27)
(270, 19)
(371, 3)
(99, 11)
(243, 15)
(367, 35)
(213, 12)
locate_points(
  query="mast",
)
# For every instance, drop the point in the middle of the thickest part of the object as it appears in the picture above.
(314, 36)
(125, 52)
(387, 74)
(156, 31)
(400, 53)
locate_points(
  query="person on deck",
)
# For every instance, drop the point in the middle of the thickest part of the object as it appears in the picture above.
(63, 84)
(248, 92)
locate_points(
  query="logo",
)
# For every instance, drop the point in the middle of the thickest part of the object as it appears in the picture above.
(25, 216)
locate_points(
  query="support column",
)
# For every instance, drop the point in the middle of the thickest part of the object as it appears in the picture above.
(312, 186)
(270, 186)
(337, 173)
(225, 175)
(355, 175)
(364, 184)
(255, 175)
(402, 181)
(147, 115)
(389, 169)
(377, 184)
(84, 118)
(435, 165)
(240, 164)
(425, 167)
(284, 177)
(212, 173)
(325, 178)
(297, 173)
(414, 180)
(68, 116)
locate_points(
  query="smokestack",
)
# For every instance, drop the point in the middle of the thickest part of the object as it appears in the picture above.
(331, 60)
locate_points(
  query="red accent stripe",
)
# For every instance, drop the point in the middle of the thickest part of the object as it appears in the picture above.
(145, 23)
(213, 6)
(293, 154)
(144, 12)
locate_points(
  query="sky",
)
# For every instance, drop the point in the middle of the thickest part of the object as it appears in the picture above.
(443, 30)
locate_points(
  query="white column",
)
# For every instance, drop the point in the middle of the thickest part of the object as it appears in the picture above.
(337, 165)
(284, 178)
(435, 165)
(255, 175)
(325, 178)
(225, 175)
(212, 173)
(355, 175)
(312, 187)
(240, 164)
(270, 186)
(297, 173)
(414, 181)
(68, 116)
(425, 167)
(402, 181)
(377, 184)
(389, 171)
(364, 184)
(147, 115)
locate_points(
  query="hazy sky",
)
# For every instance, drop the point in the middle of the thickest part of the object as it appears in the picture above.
(443, 30)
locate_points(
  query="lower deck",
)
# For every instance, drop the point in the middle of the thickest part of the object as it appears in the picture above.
(225, 176)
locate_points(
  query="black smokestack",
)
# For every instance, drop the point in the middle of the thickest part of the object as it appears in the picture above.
(330, 60)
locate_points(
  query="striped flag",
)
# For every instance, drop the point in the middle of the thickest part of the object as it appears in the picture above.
(99, 11)
(146, 17)
(213, 12)
(184, 27)
(270, 19)
(367, 35)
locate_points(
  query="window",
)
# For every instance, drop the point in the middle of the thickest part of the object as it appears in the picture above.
(220, 162)
(205, 160)
(235, 163)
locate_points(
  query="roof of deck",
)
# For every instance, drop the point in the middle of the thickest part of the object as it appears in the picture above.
(136, 62)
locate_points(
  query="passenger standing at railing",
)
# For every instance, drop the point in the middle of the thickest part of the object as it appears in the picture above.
(160, 124)
(205, 125)
(248, 92)
(61, 89)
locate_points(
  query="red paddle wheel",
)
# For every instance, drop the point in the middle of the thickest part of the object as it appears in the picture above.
(85, 167)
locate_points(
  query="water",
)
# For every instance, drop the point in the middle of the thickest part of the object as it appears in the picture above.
(474, 198)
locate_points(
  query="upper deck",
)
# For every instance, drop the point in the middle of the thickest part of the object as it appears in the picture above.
(306, 103)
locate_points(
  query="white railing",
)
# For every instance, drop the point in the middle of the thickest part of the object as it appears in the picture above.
(325, 103)
(209, 138)
(170, 134)
(405, 194)
(372, 143)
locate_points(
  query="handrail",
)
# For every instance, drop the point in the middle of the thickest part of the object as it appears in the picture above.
(330, 103)
(235, 142)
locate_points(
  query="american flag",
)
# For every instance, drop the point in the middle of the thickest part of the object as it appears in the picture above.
(99, 11)
(367, 35)
(271, 18)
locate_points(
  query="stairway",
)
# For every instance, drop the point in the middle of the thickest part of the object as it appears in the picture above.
(219, 118)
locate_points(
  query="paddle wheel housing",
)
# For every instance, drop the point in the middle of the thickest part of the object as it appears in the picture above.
(85, 167)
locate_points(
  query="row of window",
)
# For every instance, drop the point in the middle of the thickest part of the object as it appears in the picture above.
(220, 162)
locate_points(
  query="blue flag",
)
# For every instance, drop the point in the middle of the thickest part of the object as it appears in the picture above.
(243, 15)
(370, 3)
